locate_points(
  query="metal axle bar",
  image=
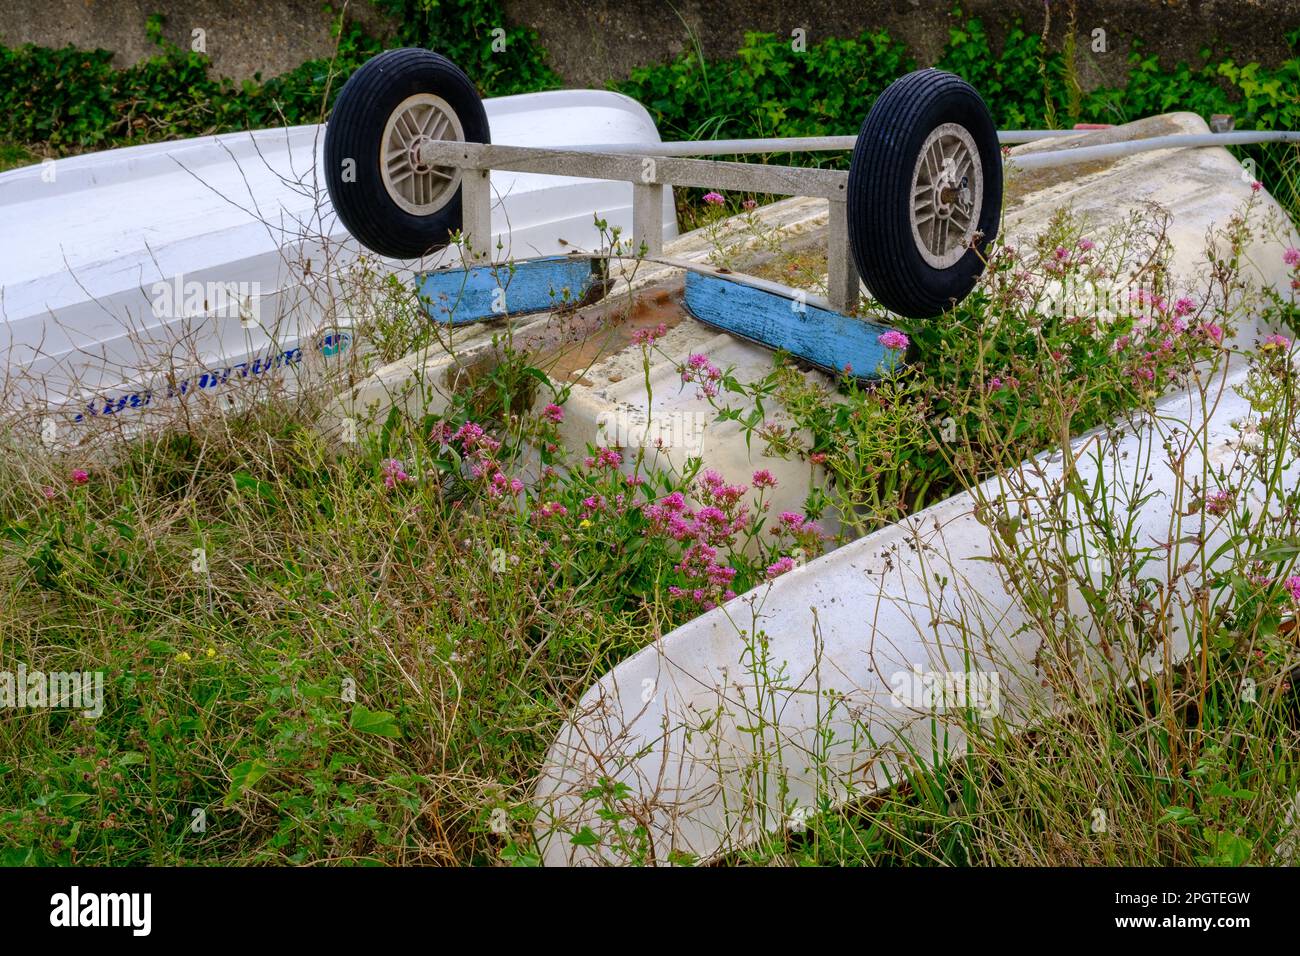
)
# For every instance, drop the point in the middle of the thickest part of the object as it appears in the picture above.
(828, 144)
(786, 144)
(1083, 154)
(646, 170)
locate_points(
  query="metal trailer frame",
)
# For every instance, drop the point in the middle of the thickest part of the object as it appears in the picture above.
(754, 309)
(648, 176)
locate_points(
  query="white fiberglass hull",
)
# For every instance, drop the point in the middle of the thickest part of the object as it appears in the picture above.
(136, 277)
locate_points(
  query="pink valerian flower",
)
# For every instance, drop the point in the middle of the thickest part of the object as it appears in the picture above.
(1063, 260)
(818, 457)
(49, 493)
(649, 336)
(780, 567)
(1275, 342)
(1146, 301)
(893, 339)
(395, 474)
(1293, 586)
(553, 413)
(718, 490)
(468, 434)
(1087, 245)
(793, 521)
(714, 199)
(711, 530)
(995, 383)
(79, 476)
(1184, 306)
(1213, 332)
(551, 509)
(1219, 503)
(500, 484)
(1291, 256)
(604, 458)
(750, 204)
(1256, 186)
(700, 370)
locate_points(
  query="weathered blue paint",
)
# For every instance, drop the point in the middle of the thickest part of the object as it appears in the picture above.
(827, 339)
(462, 296)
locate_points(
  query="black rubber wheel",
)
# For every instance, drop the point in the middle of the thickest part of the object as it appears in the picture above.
(925, 193)
(388, 200)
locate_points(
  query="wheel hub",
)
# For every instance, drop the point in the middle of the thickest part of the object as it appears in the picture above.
(416, 186)
(947, 193)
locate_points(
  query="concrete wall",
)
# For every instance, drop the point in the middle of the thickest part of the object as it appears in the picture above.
(592, 41)
(242, 37)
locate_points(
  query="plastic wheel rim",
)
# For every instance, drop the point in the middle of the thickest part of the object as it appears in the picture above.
(947, 195)
(415, 186)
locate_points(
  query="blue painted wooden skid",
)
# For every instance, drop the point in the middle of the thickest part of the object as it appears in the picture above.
(827, 339)
(464, 296)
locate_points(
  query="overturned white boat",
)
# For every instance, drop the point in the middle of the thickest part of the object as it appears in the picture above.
(133, 279)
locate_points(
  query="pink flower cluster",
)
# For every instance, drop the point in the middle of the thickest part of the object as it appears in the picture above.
(718, 520)
(714, 199)
(1293, 586)
(893, 339)
(551, 509)
(1158, 339)
(805, 533)
(704, 531)
(1063, 259)
(479, 451)
(604, 458)
(1219, 503)
(500, 484)
(395, 474)
(649, 336)
(701, 371)
(779, 567)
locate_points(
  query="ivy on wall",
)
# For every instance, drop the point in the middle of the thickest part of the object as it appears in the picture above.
(65, 100)
(61, 100)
